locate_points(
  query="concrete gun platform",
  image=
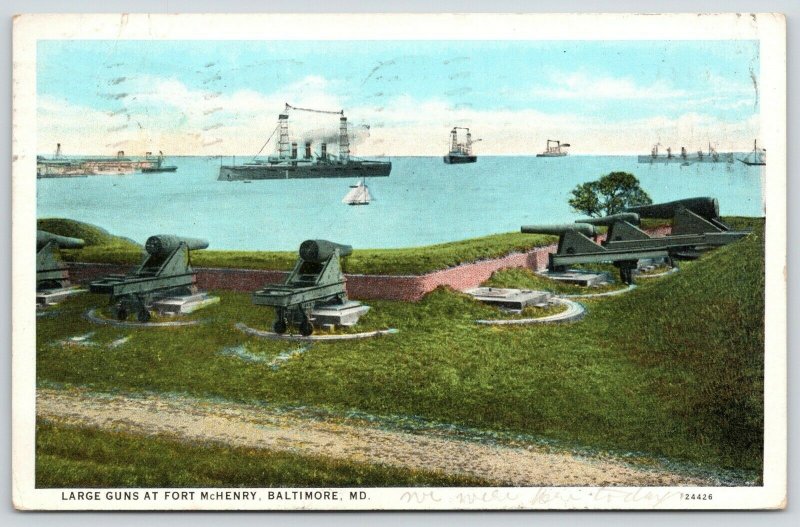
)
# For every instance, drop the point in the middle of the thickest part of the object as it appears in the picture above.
(515, 299)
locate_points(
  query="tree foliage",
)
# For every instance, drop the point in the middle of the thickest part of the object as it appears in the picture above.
(610, 194)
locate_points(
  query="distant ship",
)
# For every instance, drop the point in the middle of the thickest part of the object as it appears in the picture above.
(159, 166)
(287, 165)
(62, 166)
(758, 157)
(358, 194)
(554, 150)
(460, 152)
(685, 158)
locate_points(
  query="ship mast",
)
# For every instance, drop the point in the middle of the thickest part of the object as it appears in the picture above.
(455, 146)
(344, 141)
(283, 136)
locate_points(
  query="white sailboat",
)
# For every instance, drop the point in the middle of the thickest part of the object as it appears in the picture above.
(358, 194)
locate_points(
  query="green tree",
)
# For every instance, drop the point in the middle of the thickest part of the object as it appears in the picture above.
(610, 194)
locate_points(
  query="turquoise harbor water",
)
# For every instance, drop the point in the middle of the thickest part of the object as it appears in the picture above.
(424, 201)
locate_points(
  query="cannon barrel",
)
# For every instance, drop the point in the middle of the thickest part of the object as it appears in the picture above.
(559, 229)
(630, 217)
(320, 250)
(708, 208)
(164, 244)
(64, 242)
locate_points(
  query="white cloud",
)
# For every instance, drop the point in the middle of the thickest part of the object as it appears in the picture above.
(583, 86)
(164, 114)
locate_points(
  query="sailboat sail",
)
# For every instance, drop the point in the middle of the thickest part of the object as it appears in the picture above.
(358, 195)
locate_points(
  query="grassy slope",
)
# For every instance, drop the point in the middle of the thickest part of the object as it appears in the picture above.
(674, 368)
(101, 246)
(73, 457)
(105, 248)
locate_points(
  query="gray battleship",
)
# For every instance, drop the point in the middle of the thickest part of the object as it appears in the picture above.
(322, 164)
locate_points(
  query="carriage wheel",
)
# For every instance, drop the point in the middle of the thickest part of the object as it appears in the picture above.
(626, 275)
(306, 328)
(122, 312)
(279, 326)
(48, 285)
(143, 315)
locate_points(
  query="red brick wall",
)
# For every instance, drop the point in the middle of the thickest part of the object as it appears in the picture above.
(359, 286)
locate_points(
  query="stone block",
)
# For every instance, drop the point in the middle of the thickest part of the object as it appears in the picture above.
(51, 297)
(182, 305)
(346, 314)
(577, 277)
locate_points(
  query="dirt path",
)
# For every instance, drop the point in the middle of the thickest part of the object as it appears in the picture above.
(249, 426)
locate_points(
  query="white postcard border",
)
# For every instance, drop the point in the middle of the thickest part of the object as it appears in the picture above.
(769, 29)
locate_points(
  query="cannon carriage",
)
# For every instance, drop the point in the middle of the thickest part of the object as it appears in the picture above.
(165, 271)
(51, 273)
(696, 226)
(316, 280)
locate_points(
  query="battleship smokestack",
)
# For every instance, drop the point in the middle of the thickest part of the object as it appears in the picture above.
(294, 150)
(324, 151)
(308, 149)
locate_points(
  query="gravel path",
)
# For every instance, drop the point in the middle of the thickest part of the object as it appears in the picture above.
(190, 419)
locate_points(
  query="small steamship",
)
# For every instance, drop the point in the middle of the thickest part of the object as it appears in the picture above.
(322, 164)
(553, 149)
(460, 152)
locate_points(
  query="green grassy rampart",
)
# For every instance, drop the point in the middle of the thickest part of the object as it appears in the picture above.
(102, 247)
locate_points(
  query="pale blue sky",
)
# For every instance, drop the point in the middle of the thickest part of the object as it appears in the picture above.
(199, 96)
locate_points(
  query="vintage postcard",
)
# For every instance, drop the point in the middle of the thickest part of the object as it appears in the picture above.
(358, 262)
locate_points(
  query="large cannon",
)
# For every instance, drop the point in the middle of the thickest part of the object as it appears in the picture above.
(51, 273)
(316, 280)
(165, 271)
(689, 216)
(708, 208)
(695, 225)
(556, 229)
(164, 244)
(320, 251)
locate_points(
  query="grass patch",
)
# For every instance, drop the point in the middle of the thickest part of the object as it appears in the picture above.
(672, 369)
(102, 247)
(83, 457)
